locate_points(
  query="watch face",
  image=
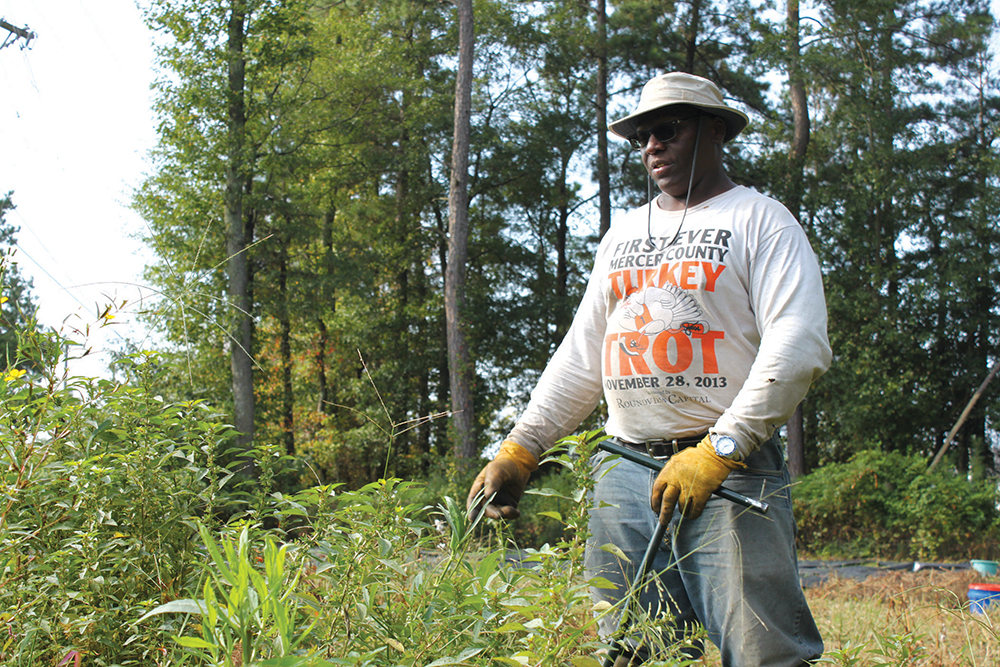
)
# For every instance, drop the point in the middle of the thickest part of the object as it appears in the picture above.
(725, 446)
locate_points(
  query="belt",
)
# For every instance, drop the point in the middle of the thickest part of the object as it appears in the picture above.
(663, 448)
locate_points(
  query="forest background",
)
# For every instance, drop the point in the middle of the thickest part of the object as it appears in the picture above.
(298, 206)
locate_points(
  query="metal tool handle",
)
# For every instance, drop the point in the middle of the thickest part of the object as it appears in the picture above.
(618, 644)
(752, 504)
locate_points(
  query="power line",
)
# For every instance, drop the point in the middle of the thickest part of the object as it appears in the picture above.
(46, 272)
(25, 225)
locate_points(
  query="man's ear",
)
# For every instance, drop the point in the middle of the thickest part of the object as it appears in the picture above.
(719, 130)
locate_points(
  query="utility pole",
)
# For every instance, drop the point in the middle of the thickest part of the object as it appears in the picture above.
(15, 33)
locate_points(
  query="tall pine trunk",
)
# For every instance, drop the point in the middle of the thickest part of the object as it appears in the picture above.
(285, 353)
(328, 296)
(800, 142)
(603, 167)
(460, 366)
(241, 362)
(691, 39)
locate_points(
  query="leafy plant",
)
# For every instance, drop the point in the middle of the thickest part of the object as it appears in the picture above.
(245, 614)
(99, 480)
(915, 514)
(395, 582)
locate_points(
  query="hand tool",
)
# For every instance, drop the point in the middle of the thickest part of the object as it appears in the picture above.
(618, 644)
(654, 464)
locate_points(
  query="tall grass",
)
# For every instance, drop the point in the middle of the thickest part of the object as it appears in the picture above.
(906, 618)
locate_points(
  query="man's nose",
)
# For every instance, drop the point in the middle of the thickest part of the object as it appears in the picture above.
(653, 144)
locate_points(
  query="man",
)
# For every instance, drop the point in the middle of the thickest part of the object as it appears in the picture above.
(703, 324)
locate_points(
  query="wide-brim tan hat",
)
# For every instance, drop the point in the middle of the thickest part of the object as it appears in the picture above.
(680, 88)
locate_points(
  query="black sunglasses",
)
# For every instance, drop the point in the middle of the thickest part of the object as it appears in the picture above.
(664, 132)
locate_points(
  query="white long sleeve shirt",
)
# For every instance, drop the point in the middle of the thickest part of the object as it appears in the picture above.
(724, 329)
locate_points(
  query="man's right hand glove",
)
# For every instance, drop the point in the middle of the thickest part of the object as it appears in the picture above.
(506, 476)
(688, 479)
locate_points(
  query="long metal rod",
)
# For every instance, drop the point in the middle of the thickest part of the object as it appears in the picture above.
(752, 504)
(633, 597)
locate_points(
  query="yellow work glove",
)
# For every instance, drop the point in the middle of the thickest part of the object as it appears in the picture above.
(506, 476)
(689, 478)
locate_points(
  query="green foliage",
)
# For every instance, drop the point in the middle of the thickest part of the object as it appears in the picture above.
(17, 307)
(349, 114)
(885, 505)
(113, 549)
(245, 614)
(378, 578)
(429, 597)
(100, 482)
(346, 218)
(895, 204)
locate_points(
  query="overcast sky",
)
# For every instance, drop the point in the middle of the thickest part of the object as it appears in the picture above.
(75, 129)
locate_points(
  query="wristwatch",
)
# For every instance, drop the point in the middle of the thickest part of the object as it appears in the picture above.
(725, 447)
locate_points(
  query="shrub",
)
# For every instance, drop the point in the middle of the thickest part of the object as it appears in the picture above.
(100, 481)
(886, 505)
(115, 505)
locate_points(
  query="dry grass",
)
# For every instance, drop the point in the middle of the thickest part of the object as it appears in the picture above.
(918, 619)
(925, 613)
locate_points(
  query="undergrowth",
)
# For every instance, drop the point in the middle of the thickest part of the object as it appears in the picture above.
(912, 514)
(127, 541)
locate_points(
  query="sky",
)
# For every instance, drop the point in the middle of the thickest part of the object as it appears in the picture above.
(75, 130)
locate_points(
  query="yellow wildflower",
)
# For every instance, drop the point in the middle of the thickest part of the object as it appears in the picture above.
(13, 374)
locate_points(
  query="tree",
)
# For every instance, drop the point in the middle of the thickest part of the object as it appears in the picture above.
(891, 203)
(219, 111)
(459, 362)
(17, 306)
(358, 272)
(601, 120)
(239, 227)
(793, 200)
(785, 175)
(953, 285)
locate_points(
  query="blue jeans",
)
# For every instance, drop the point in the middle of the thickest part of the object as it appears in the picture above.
(732, 571)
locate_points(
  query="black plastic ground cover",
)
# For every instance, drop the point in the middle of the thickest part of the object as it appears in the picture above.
(815, 572)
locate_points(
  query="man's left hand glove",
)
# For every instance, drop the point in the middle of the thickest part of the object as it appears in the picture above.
(689, 478)
(506, 476)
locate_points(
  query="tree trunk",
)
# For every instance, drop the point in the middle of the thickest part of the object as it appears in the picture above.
(795, 441)
(443, 388)
(603, 168)
(285, 352)
(800, 142)
(460, 367)
(326, 395)
(563, 312)
(319, 356)
(691, 40)
(241, 362)
(965, 414)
